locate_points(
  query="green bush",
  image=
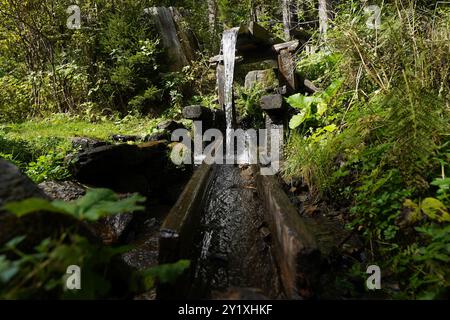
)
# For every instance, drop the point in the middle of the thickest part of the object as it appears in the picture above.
(41, 272)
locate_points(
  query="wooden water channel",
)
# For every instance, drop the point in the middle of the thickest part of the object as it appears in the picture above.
(236, 226)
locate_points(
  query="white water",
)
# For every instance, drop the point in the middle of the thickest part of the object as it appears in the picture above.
(229, 39)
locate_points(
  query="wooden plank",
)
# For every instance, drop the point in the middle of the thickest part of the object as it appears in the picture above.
(290, 46)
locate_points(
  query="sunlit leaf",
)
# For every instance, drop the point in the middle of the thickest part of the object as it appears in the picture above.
(435, 209)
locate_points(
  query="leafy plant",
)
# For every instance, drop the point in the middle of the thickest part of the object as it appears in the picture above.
(51, 166)
(312, 107)
(42, 271)
(248, 105)
(96, 203)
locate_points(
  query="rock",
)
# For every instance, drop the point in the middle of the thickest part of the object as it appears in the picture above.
(121, 167)
(272, 102)
(124, 168)
(170, 125)
(194, 112)
(125, 138)
(210, 118)
(87, 143)
(15, 186)
(310, 87)
(111, 228)
(63, 190)
(158, 136)
(267, 78)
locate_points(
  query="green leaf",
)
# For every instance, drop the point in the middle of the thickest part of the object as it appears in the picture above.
(98, 203)
(14, 242)
(332, 89)
(297, 120)
(168, 272)
(300, 101)
(92, 206)
(21, 208)
(8, 269)
(321, 108)
(330, 128)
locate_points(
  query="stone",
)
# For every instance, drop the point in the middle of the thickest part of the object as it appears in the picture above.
(87, 143)
(121, 167)
(158, 136)
(143, 168)
(267, 78)
(310, 87)
(125, 138)
(272, 102)
(194, 112)
(170, 125)
(15, 186)
(63, 190)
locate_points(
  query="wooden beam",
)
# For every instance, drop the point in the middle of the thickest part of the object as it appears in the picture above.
(290, 46)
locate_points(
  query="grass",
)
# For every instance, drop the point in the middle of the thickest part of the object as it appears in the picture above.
(25, 142)
(61, 126)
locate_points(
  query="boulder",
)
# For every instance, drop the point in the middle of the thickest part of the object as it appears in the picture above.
(125, 138)
(267, 78)
(170, 125)
(272, 102)
(211, 118)
(63, 190)
(87, 143)
(158, 136)
(125, 168)
(15, 186)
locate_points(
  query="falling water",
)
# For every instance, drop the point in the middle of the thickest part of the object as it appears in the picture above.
(229, 39)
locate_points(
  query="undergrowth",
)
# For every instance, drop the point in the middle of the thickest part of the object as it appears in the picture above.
(379, 144)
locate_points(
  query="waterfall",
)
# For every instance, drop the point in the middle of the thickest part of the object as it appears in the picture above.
(229, 39)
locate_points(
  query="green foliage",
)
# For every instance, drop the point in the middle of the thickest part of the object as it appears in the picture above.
(95, 204)
(379, 146)
(425, 266)
(248, 105)
(51, 166)
(168, 273)
(313, 107)
(42, 271)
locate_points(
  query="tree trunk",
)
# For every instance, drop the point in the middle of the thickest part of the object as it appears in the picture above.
(289, 9)
(324, 16)
(212, 14)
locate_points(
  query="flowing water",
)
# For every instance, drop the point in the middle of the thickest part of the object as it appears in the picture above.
(235, 246)
(229, 39)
